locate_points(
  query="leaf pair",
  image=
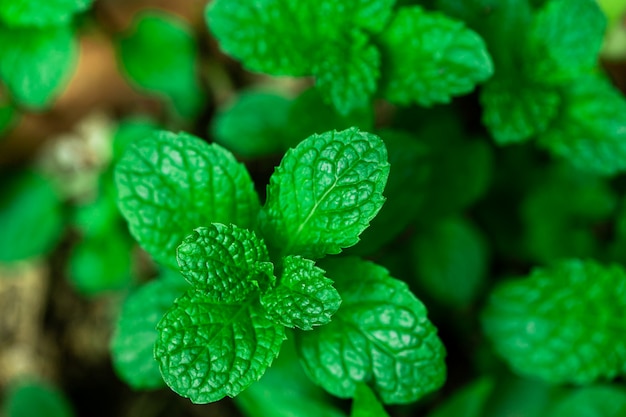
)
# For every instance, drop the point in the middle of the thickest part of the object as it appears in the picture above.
(354, 48)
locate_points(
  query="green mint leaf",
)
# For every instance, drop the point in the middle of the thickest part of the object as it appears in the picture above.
(304, 297)
(590, 132)
(253, 125)
(366, 404)
(207, 351)
(28, 399)
(169, 184)
(168, 45)
(563, 47)
(131, 130)
(468, 401)
(132, 344)
(380, 335)
(450, 260)
(325, 192)
(429, 58)
(561, 324)
(31, 217)
(514, 110)
(226, 263)
(40, 14)
(600, 401)
(35, 64)
(348, 74)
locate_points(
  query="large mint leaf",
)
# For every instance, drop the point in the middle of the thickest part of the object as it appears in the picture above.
(35, 64)
(325, 192)
(207, 351)
(28, 398)
(169, 184)
(36, 13)
(303, 298)
(562, 48)
(563, 324)
(590, 132)
(380, 335)
(169, 47)
(132, 345)
(227, 263)
(428, 58)
(596, 401)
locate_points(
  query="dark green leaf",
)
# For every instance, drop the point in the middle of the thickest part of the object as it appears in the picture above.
(468, 401)
(594, 401)
(35, 399)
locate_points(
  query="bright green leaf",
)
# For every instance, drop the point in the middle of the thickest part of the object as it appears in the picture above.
(563, 323)
(169, 184)
(159, 55)
(590, 132)
(380, 336)
(132, 345)
(35, 64)
(304, 297)
(207, 351)
(40, 14)
(227, 263)
(428, 58)
(366, 404)
(593, 401)
(325, 192)
(35, 399)
(253, 125)
(31, 217)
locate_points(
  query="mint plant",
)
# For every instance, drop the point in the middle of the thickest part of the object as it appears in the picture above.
(253, 271)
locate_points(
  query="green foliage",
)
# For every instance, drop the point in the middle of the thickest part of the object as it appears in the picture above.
(28, 399)
(600, 401)
(31, 217)
(7, 117)
(35, 64)
(392, 345)
(562, 323)
(324, 193)
(468, 401)
(40, 14)
(366, 404)
(169, 47)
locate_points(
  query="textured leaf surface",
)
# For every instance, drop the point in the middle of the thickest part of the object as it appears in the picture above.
(169, 184)
(132, 345)
(35, 64)
(227, 263)
(515, 110)
(35, 399)
(31, 217)
(428, 58)
(562, 324)
(253, 125)
(564, 48)
(366, 404)
(594, 401)
(35, 13)
(325, 192)
(380, 335)
(169, 47)
(591, 129)
(304, 297)
(207, 351)
(450, 260)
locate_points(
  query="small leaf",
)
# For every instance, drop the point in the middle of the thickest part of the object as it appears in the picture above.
(207, 351)
(590, 132)
(132, 344)
(41, 14)
(596, 401)
(29, 399)
(253, 125)
(429, 58)
(469, 401)
(563, 324)
(304, 297)
(35, 64)
(366, 404)
(168, 45)
(380, 336)
(169, 184)
(325, 192)
(226, 263)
